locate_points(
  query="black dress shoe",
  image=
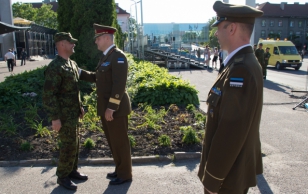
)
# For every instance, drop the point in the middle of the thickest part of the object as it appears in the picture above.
(118, 181)
(77, 175)
(67, 183)
(112, 175)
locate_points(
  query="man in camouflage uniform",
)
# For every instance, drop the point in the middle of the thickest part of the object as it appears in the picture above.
(61, 99)
(113, 103)
(259, 52)
(267, 55)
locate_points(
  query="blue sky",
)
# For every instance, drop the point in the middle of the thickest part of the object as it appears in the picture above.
(178, 11)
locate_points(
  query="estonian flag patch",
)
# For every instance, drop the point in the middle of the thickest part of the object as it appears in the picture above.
(236, 82)
(120, 60)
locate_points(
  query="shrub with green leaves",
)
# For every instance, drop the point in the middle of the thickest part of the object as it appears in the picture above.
(26, 146)
(190, 107)
(132, 140)
(164, 140)
(190, 136)
(7, 124)
(89, 143)
(148, 83)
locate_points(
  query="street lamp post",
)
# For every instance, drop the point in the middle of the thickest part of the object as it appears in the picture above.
(138, 55)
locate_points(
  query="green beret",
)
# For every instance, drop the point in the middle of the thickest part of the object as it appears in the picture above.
(235, 13)
(101, 30)
(65, 36)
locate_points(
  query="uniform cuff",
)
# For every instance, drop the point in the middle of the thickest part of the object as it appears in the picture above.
(211, 182)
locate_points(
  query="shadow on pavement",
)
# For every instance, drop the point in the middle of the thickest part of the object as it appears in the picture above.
(263, 186)
(119, 189)
(290, 70)
(190, 164)
(277, 87)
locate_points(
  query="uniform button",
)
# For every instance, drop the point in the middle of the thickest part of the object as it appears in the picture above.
(102, 70)
(213, 101)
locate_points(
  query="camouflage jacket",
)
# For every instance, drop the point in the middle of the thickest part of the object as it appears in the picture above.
(61, 97)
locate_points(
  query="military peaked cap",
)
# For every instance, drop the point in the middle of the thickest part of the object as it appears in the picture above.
(101, 30)
(65, 36)
(235, 13)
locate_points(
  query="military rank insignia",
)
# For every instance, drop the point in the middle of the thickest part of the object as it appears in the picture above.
(120, 60)
(216, 91)
(236, 82)
(105, 64)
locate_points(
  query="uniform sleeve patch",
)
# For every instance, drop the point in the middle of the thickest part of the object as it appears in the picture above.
(120, 60)
(236, 82)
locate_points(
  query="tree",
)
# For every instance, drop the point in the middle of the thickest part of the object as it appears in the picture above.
(24, 10)
(43, 16)
(213, 41)
(46, 17)
(85, 14)
(65, 13)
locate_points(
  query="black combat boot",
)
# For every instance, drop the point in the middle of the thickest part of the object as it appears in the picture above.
(67, 183)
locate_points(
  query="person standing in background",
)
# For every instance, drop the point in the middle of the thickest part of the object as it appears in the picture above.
(23, 57)
(214, 61)
(267, 56)
(9, 57)
(259, 52)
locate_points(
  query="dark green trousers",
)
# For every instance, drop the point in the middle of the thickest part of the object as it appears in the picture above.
(69, 148)
(116, 134)
(227, 191)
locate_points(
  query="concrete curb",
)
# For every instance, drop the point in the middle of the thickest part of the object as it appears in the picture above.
(104, 161)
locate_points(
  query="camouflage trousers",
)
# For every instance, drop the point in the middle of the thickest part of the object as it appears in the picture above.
(69, 147)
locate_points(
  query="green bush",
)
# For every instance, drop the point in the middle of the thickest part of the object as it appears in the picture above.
(89, 143)
(26, 146)
(148, 83)
(164, 140)
(132, 140)
(190, 136)
(190, 107)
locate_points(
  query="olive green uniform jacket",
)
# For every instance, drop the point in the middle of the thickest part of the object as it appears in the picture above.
(110, 78)
(231, 154)
(267, 55)
(260, 56)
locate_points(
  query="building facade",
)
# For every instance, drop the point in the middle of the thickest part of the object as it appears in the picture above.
(283, 21)
(6, 16)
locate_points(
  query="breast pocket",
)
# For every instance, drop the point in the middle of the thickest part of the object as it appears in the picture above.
(105, 73)
(213, 99)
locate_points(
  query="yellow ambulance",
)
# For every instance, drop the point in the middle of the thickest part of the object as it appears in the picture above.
(283, 54)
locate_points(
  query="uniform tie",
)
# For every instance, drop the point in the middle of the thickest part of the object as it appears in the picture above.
(221, 67)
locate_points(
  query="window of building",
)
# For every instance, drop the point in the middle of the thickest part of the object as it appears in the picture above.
(291, 23)
(280, 23)
(262, 33)
(272, 23)
(117, 10)
(300, 24)
(291, 33)
(263, 22)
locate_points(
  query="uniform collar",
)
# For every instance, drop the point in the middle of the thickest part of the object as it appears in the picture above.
(107, 50)
(233, 53)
